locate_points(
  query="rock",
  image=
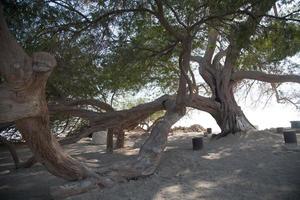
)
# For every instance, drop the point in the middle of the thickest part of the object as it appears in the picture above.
(99, 137)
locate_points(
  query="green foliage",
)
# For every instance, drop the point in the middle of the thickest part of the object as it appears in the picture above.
(102, 54)
(274, 44)
(115, 54)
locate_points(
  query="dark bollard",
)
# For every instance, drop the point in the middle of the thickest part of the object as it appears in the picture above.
(290, 137)
(208, 130)
(197, 143)
(279, 130)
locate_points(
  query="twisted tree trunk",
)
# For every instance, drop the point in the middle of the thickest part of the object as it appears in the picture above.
(47, 151)
(22, 99)
(230, 117)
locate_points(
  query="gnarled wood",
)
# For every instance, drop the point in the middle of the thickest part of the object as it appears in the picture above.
(117, 120)
(47, 151)
(22, 99)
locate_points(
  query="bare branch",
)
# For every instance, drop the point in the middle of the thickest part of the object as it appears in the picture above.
(282, 99)
(286, 17)
(176, 15)
(70, 8)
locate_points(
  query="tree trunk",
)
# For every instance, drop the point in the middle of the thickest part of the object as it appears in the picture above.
(150, 152)
(110, 141)
(120, 138)
(47, 151)
(230, 118)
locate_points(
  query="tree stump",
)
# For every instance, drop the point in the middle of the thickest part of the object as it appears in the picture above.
(197, 143)
(209, 130)
(290, 137)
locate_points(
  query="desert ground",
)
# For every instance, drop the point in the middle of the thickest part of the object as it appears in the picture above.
(253, 165)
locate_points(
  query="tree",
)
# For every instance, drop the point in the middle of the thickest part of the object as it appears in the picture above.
(223, 76)
(183, 27)
(29, 79)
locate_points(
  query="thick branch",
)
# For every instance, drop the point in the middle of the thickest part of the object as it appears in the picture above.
(261, 76)
(211, 45)
(123, 118)
(203, 103)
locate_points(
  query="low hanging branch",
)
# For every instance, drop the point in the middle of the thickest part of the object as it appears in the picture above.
(122, 119)
(119, 120)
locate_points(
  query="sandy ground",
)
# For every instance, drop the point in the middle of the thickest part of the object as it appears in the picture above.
(255, 165)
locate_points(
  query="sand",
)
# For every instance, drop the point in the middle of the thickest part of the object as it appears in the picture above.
(256, 165)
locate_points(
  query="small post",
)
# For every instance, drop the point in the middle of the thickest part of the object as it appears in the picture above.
(290, 137)
(197, 143)
(209, 130)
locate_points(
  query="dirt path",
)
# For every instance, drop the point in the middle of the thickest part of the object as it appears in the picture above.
(252, 166)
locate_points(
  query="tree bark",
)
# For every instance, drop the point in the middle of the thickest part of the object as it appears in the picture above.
(110, 141)
(22, 99)
(120, 133)
(230, 117)
(47, 151)
(117, 120)
(151, 151)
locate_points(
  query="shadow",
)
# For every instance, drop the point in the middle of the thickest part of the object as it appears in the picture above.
(242, 166)
(250, 166)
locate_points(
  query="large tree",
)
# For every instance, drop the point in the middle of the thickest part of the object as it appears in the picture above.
(163, 37)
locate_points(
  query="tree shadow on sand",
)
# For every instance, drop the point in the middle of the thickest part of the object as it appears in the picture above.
(251, 166)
